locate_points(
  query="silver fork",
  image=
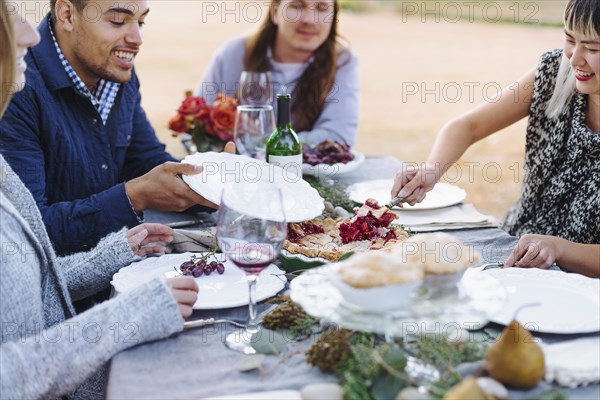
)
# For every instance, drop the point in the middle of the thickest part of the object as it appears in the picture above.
(497, 264)
(198, 323)
(394, 202)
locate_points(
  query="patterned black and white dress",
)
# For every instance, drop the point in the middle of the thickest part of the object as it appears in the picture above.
(561, 188)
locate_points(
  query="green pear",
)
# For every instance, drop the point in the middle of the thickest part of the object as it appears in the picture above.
(515, 359)
(467, 389)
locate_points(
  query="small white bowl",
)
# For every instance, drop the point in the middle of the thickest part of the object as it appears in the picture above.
(443, 281)
(377, 298)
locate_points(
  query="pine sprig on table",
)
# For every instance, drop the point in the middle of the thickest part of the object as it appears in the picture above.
(445, 355)
(347, 354)
(367, 367)
(334, 193)
(439, 352)
(373, 371)
(288, 315)
(331, 349)
(370, 369)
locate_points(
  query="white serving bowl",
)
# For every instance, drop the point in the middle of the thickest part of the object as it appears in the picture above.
(377, 298)
(443, 281)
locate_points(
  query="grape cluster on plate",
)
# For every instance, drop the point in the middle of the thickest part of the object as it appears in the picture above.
(198, 266)
(327, 152)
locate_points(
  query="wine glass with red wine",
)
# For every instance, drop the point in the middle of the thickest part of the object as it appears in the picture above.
(251, 229)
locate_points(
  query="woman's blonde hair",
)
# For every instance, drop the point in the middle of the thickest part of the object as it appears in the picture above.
(582, 16)
(7, 57)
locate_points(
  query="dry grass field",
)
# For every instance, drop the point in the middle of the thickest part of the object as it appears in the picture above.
(418, 70)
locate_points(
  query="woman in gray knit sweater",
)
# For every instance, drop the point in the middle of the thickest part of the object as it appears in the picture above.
(47, 350)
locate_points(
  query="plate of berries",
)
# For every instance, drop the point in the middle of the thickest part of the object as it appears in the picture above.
(220, 283)
(329, 158)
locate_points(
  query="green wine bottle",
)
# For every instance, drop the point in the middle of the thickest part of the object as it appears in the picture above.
(284, 147)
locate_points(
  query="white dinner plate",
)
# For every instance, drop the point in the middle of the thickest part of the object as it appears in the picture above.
(442, 194)
(559, 302)
(468, 305)
(216, 291)
(326, 170)
(301, 201)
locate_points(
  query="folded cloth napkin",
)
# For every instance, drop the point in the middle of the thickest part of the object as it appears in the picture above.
(461, 216)
(192, 241)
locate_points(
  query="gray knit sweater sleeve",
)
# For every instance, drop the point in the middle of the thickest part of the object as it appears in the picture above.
(90, 272)
(53, 362)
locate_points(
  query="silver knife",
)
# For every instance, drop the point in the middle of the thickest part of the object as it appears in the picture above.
(181, 224)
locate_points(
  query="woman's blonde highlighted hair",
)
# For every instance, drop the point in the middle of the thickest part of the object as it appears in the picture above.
(7, 56)
(583, 17)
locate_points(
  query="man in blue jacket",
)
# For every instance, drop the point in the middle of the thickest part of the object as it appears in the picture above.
(77, 134)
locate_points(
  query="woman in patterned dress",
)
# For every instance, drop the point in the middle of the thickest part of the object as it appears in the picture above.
(558, 210)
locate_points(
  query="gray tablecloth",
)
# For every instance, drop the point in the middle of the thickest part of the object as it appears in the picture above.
(196, 364)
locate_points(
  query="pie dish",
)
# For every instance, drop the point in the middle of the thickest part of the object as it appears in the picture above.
(377, 269)
(330, 239)
(296, 263)
(442, 257)
(380, 298)
(377, 281)
(477, 297)
(453, 256)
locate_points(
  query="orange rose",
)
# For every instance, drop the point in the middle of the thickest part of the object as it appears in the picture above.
(194, 107)
(179, 124)
(221, 124)
(223, 101)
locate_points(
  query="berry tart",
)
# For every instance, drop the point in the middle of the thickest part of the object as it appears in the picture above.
(330, 239)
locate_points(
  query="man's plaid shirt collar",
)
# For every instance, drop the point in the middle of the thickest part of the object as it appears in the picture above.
(105, 92)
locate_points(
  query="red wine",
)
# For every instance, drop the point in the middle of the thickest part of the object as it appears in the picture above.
(252, 258)
(252, 268)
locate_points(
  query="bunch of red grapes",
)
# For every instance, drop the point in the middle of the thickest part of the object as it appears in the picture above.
(327, 152)
(198, 266)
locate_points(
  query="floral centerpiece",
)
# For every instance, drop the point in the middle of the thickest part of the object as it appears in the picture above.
(210, 125)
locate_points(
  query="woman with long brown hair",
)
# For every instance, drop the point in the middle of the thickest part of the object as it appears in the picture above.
(299, 45)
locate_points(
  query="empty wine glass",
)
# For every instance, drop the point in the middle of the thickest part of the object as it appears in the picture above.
(253, 126)
(255, 88)
(251, 229)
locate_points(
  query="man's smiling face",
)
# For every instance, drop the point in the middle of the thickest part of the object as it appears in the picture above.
(102, 40)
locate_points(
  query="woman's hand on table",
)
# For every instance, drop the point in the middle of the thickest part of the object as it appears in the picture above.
(413, 182)
(534, 251)
(541, 251)
(185, 291)
(146, 239)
